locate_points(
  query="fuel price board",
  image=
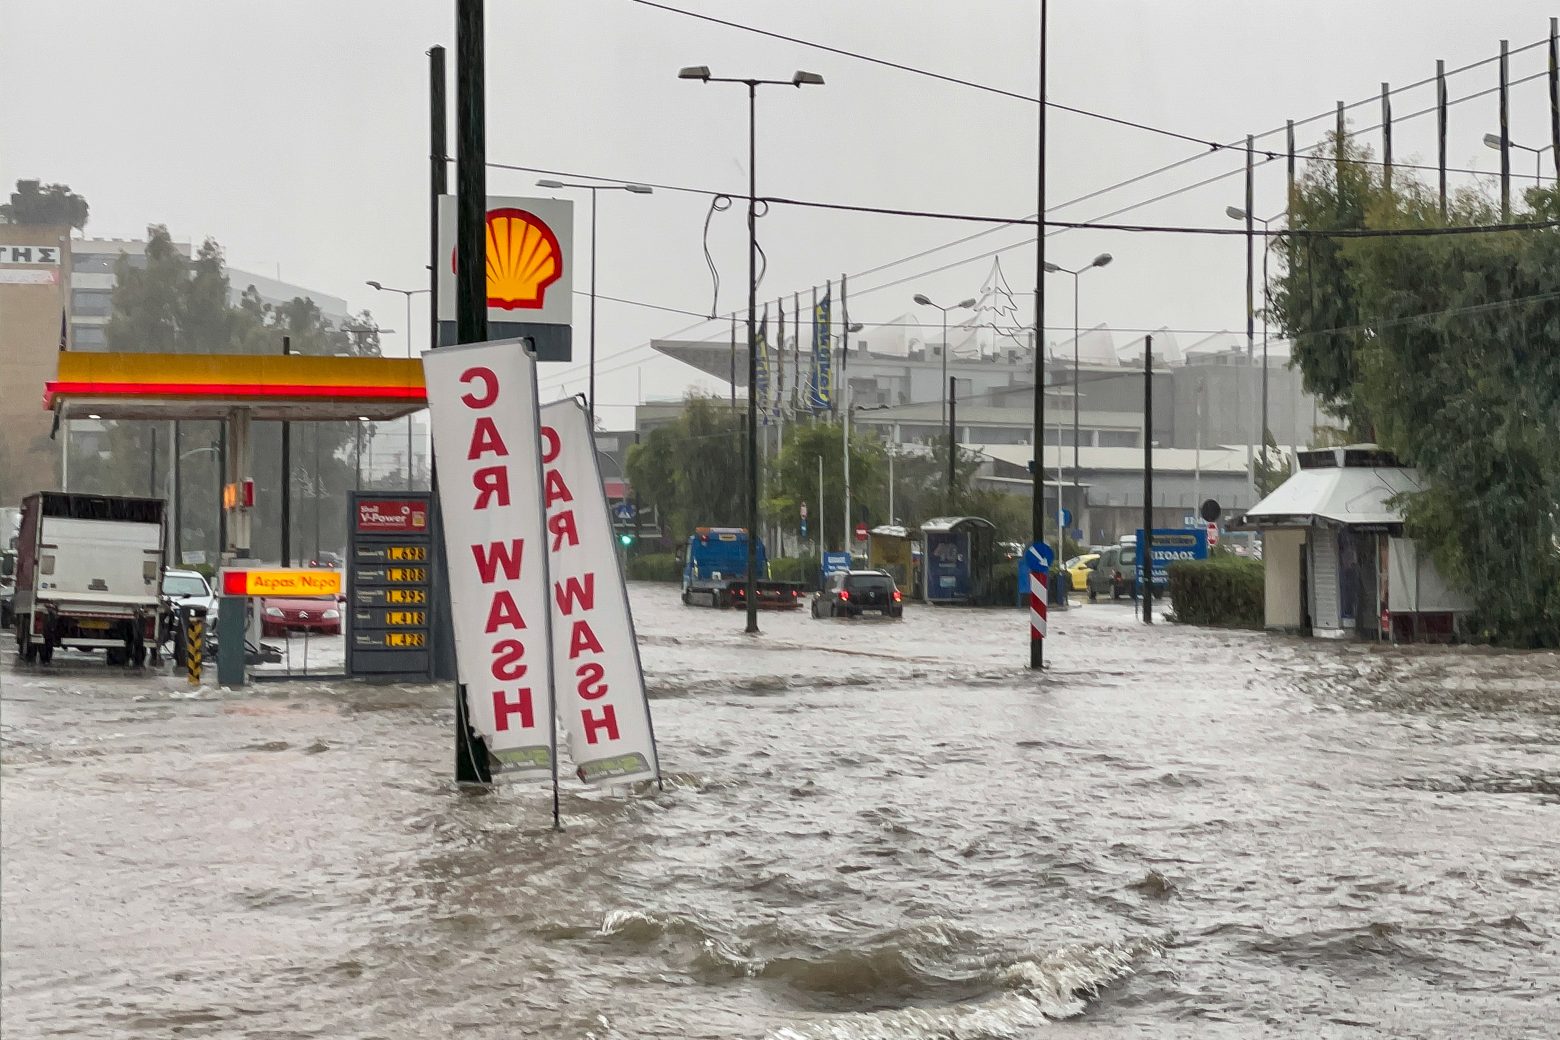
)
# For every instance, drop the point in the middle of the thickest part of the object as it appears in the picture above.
(390, 586)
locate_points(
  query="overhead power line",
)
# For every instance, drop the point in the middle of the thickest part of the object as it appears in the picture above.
(1235, 146)
(916, 70)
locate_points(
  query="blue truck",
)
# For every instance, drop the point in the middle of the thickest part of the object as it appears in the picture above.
(715, 572)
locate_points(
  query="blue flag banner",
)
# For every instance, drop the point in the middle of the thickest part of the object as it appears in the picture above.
(822, 367)
(761, 349)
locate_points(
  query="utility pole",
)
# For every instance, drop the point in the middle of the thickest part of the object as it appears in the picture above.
(843, 388)
(286, 476)
(953, 447)
(1251, 306)
(1505, 136)
(442, 659)
(1146, 586)
(1037, 502)
(471, 753)
(1440, 129)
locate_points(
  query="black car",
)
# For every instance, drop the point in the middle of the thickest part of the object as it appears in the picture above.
(853, 593)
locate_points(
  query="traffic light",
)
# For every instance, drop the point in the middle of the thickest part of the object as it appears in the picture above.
(625, 540)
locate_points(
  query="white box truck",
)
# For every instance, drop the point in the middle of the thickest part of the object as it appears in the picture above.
(88, 575)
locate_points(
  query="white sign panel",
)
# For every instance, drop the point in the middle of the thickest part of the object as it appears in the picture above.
(482, 403)
(530, 260)
(600, 686)
(48, 255)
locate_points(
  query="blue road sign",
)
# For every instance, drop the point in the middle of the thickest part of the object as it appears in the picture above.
(1040, 557)
(623, 510)
(1172, 545)
(1066, 518)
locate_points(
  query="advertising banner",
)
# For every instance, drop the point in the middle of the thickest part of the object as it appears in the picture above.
(822, 360)
(1171, 545)
(761, 352)
(600, 688)
(482, 406)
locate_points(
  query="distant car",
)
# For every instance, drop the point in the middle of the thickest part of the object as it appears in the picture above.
(852, 593)
(280, 616)
(187, 589)
(1079, 567)
(1114, 573)
(328, 560)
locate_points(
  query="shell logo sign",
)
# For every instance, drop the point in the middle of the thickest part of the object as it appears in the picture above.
(523, 259)
(530, 280)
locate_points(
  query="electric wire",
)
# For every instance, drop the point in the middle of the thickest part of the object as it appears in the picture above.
(1094, 194)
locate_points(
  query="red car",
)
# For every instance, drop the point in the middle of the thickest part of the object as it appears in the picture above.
(282, 616)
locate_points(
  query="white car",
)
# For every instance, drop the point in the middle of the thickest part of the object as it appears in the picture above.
(188, 589)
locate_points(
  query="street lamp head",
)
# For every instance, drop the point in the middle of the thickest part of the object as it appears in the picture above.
(1051, 268)
(1492, 141)
(375, 285)
(855, 326)
(549, 184)
(967, 304)
(639, 189)
(811, 78)
(699, 72)
(1102, 260)
(1235, 212)
(923, 301)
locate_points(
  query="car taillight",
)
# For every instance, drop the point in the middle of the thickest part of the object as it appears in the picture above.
(897, 596)
(844, 595)
(795, 593)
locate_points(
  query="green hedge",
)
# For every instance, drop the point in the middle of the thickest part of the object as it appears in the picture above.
(1225, 591)
(795, 568)
(655, 567)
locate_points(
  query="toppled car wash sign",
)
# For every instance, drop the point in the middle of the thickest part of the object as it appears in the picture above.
(542, 623)
(600, 686)
(482, 403)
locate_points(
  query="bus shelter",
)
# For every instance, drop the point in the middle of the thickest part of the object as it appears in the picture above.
(960, 557)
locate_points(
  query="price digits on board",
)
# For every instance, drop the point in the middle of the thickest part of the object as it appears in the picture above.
(406, 553)
(405, 617)
(412, 574)
(405, 597)
(403, 639)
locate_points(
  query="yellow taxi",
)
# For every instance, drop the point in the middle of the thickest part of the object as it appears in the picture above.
(1078, 568)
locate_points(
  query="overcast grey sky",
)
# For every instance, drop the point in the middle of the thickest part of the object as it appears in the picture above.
(294, 132)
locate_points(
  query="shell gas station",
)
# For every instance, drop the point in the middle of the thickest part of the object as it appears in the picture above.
(525, 258)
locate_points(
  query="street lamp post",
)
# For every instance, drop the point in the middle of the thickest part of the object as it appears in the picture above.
(1099, 261)
(1493, 141)
(799, 79)
(408, 293)
(1236, 213)
(637, 189)
(967, 305)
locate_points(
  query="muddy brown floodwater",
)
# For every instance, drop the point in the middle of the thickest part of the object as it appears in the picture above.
(869, 830)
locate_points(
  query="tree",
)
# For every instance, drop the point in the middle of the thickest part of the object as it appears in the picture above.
(1451, 359)
(694, 468)
(793, 479)
(35, 203)
(181, 305)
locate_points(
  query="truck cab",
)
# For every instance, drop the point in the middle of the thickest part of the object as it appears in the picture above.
(715, 571)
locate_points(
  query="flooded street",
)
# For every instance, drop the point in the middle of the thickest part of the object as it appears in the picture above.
(869, 830)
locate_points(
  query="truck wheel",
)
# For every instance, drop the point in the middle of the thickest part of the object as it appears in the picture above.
(687, 599)
(138, 657)
(29, 649)
(116, 656)
(45, 653)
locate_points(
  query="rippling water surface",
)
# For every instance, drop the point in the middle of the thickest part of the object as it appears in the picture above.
(869, 830)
